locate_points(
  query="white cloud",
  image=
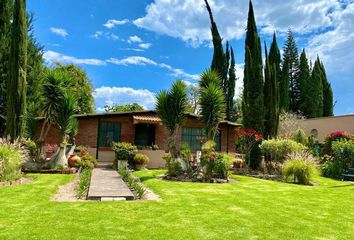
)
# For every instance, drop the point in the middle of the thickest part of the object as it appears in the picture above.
(132, 49)
(189, 20)
(134, 39)
(59, 31)
(111, 23)
(123, 95)
(97, 35)
(145, 45)
(110, 36)
(53, 57)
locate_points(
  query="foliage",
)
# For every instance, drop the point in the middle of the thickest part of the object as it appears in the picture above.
(343, 152)
(193, 98)
(124, 151)
(335, 136)
(74, 130)
(271, 98)
(254, 155)
(171, 107)
(253, 87)
(31, 146)
(80, 85)
(186, 156)
(16, 84)
(86, 161)
(331, 169)
(65, 114)
(131, 107)
(284, 85)
(305, 96)
(31, 120)
(289, 123)
(327, 94)
(278, 149)
(315, 89)
(173, 166)
(140, 159)
(11, 157)
(300, 137)
(231, 83)
(84, 182)
(299, 167)
(291, 58)
(133, 182)
(212, 104)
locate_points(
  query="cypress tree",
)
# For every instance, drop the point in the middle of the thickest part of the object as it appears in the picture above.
(327, 94)
(271, 98)
(16, 85)
(315, 89)
(292, 57)
(274, 57)
(284, 100)
(231, 88)
(5, 18)
(253, 91)
(303, 81)
(218, 62)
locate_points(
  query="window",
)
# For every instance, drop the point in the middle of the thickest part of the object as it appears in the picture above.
(109, 132)
(144, 135)
(194, 137)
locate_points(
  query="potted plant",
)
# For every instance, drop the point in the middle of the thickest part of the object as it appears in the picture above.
(155, 147)
(140, 161)
(124, 153)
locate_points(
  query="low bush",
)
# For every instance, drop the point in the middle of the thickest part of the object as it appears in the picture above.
(331, 169)
(11, 157)
(254, 155)
(86, 161)
(84, 182)
(31, 147)
(335, 136)
(173, 166)
(140, 159)
(300, 137)
(278, 149)
(299, 167)
(124, 151)
(343, 152)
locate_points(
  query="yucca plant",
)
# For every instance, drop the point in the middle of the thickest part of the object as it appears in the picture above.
(212, 102)
(64, 120)
(31, 120)
(171, 107)
(74, 129)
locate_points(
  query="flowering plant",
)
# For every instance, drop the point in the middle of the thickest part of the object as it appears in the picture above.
(245, 137)
(51, 147)
(335, 136)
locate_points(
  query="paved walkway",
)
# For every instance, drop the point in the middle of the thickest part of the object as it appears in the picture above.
(107, 185)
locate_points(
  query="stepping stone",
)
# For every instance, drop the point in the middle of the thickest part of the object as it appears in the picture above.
(107, 185)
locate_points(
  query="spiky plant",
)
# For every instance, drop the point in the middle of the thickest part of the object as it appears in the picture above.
(171, 107)
(74, 129)
(31, 120)
(212, 102)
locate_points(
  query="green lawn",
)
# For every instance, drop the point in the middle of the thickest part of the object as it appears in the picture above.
(248, 209)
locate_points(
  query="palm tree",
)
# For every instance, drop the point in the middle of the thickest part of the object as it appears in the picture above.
(171, 107)
(65, 119)
(212, 102)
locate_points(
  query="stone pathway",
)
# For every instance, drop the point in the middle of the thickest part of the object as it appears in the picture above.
(107, 185)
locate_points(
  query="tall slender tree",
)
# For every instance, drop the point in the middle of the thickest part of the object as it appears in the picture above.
(253, 91)
(292, 57)
(231, 89)
(271, 98)
(327, 94)
(218, 62)
(315, 89)
(275, 57)
(17, 85)
(5, 22)
(303, 81)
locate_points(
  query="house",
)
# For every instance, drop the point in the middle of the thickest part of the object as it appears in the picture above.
(143, 128)
(320, 127)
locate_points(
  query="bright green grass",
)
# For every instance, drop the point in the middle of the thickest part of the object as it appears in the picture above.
(248, 209)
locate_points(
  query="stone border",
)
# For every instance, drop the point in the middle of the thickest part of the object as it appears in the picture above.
(52, 171)
(16, 182)
(196, 180)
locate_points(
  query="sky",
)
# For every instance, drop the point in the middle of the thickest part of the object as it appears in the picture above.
(133, 49)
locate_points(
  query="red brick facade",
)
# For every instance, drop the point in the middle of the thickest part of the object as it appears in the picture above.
(88, 131)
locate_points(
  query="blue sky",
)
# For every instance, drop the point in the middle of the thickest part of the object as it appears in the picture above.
(132, 49)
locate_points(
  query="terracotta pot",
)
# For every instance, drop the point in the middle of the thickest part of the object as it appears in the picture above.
(73, 159)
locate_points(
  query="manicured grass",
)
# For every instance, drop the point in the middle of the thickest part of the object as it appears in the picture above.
(248, 209)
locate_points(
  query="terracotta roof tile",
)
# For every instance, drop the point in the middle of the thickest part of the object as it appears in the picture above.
(146, 118)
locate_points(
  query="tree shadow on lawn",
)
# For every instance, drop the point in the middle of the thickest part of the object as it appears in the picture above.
(347, 185)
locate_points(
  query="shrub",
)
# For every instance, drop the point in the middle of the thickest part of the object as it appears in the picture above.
(254, 156)
(11, 157)
(343, 152)
(186, 156)
(84, 182)
(31, 147)
(173, 166)
(331, 169)
(335, 136)
(300, 137)
(222, 166)
(245, 138)
(133, 182)
(278, 149)
(87, 161)
(124, 151)
(299, 167)
(140, 159)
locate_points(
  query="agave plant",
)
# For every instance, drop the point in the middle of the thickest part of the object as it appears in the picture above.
(171, 107)
(212, 102)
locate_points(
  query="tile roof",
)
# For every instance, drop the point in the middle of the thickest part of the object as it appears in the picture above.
(146, 118)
